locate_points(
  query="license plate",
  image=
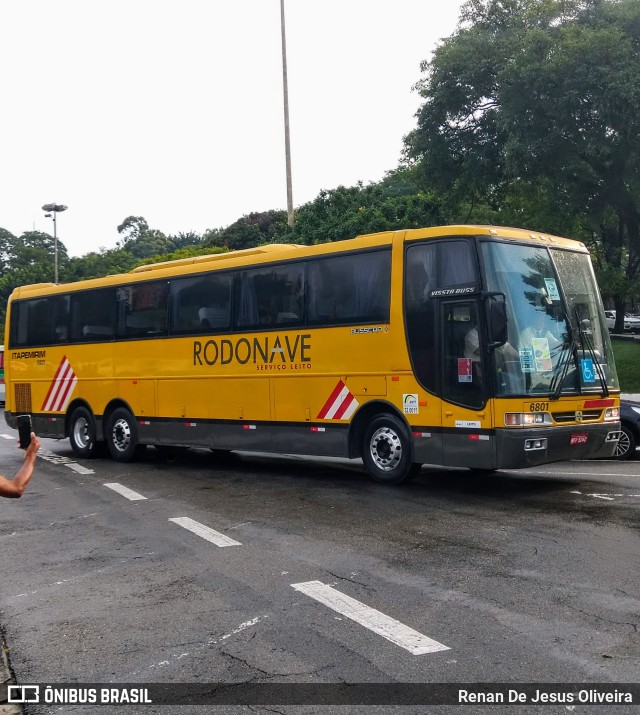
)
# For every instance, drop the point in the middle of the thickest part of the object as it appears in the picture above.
(579, 439)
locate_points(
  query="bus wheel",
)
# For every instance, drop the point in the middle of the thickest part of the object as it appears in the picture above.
(82, 433)
(122, 435)
(386, 451)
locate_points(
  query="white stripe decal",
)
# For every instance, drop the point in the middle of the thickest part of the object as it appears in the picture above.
(368, 617)
(215, 537)
(351, 409)
(125, 491)
(337, 402)
(62, 389)
(57, 383)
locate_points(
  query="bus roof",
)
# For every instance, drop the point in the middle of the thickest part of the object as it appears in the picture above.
(266, 252)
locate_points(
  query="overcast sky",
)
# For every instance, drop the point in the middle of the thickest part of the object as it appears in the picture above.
(172, 109)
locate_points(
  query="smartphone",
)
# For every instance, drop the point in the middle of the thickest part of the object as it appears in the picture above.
(24, 430)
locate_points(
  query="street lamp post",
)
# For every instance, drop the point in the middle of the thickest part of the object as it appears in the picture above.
(52, 210)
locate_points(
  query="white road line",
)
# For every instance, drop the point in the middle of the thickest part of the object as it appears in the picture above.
(560, 472)
(215, 537)
(79, 468)
(125, 491)
(378, 622)
(7, 436)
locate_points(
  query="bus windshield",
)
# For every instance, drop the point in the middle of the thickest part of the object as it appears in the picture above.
(558, 342)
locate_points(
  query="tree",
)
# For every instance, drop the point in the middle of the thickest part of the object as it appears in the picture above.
(142, 241)
(346, 212)
(99, 264)
(132, 228)
(29, 259)
(541, 96)
(249, 231)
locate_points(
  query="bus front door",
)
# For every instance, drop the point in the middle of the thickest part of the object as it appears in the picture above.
(465, 417)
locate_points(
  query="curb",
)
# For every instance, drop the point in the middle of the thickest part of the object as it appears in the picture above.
(6, 679)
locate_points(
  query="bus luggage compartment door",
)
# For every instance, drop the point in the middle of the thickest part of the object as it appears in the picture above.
(465, 443)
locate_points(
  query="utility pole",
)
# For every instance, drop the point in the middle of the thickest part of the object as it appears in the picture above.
(287, 146)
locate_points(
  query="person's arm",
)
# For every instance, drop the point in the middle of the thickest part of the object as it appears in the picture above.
(14, 488)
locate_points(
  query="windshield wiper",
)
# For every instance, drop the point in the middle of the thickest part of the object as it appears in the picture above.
(586, 340)
(561, 373)
(563, 368)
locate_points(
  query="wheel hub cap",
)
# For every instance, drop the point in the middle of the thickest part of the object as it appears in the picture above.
(386, 449)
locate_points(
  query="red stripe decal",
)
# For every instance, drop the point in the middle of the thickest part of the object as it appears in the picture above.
(599, 403)
(53, 383)
(346, 404)
(328, 404)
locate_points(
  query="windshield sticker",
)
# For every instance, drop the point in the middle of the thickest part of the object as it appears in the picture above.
(410, 404)
(464, 370)
(588, 373)
(526, 360)
(542, 354)
(552, 288)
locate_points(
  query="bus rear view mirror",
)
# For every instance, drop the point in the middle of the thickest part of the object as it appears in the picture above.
(497, 320)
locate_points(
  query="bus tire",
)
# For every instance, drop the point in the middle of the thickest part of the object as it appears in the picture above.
(122, 435)
(386, 451)
(82, 433)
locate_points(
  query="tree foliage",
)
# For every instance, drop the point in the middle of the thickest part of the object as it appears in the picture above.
(541, 98)
(248, 231)
(346, 212)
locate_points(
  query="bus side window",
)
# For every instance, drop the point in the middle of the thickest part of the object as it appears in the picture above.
(92, 315)
(142, 309)
(350, 288)
(201, 304)
(270, 295)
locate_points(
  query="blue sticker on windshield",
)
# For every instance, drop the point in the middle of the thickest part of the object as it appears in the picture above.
(588, 373)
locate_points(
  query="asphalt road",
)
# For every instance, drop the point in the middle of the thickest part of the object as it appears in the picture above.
(314, 574)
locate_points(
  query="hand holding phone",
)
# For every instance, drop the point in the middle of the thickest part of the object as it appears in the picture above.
(24, 430)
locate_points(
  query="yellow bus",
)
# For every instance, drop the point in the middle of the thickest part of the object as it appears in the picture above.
(468, 346)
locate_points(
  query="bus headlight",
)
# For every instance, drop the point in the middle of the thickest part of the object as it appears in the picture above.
(526, 419)
(611, 414)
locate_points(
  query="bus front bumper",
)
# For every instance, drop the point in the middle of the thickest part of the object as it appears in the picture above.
(517, 448)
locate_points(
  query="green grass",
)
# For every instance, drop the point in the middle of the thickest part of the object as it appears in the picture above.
(627, 356)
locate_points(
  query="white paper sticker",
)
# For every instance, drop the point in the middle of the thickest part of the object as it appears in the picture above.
(552, 288)
(410, 404)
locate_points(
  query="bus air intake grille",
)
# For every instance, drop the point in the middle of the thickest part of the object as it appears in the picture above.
(577, 416)
(23, 398)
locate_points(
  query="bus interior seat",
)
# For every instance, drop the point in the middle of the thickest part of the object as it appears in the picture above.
(286, 317)
(214, 317)
(97, 331)
(139, 324)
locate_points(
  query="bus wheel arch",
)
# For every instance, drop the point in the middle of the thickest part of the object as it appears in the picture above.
(382, 437)
(120, 431)
(81, 429)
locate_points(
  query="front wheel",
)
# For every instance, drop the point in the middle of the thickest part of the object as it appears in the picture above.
(122, 435)
(386, 451)
(82, 433)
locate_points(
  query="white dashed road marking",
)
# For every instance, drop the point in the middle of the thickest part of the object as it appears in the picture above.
(125, 491)
(215, 537)
(57, 459)
(80, 469)
(378, 622)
